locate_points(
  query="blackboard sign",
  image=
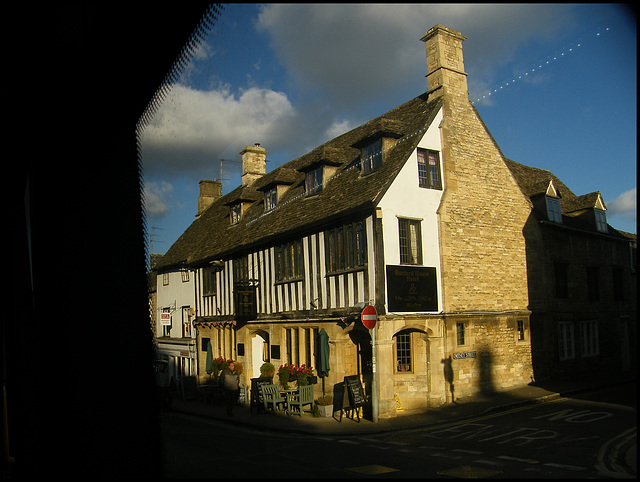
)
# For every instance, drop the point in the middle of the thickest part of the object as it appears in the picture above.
(256, 394)
(352, 396)
(412, 288)
(355, 391)
(245, 301)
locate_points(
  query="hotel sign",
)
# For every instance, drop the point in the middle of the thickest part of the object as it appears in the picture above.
(412, 288)
(245, 302)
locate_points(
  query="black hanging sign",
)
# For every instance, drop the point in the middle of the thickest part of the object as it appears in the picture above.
(245, 302)
(412, 288)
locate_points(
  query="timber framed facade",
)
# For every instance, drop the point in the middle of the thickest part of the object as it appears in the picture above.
(416, 213)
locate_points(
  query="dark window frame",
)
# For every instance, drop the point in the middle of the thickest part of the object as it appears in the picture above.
(313, 181)
(371, 156)
(289, 261)
(410, 249)
(209, 281)
(429, 171)
(346, 247)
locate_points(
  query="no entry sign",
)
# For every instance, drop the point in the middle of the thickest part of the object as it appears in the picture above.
(369, 317)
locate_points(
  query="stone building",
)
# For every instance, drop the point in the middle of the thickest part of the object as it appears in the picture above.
(582, 281)
(416, 213)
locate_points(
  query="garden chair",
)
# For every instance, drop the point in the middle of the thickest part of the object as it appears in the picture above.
(300, 399)
(271, 396)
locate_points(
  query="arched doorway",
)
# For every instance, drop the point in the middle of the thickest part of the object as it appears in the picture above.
(412, 367)
(259, 351)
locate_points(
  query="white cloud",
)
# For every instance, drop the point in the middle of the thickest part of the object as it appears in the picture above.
(157, 198)
(624, 205)
(193, 127)
(353, 53)
(338, 128)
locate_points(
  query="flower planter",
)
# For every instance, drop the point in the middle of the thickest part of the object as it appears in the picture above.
(326, 411)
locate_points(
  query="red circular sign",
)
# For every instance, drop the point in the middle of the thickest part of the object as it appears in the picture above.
(369, 317)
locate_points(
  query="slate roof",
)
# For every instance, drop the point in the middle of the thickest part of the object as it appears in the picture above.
(533, 182)
(212, 237)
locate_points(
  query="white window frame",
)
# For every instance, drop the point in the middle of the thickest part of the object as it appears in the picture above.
(590, 338)
(566, 341)
(553, 210)
(404, 345)
(601, 220)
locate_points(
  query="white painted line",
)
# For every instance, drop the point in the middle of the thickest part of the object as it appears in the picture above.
(562, 466)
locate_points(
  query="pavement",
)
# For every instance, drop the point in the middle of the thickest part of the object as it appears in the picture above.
(459, 410)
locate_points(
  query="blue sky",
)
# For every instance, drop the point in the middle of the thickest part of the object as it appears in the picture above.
(555, 85)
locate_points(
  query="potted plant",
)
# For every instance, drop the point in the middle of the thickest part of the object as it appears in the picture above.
(284, 375)
(304, 373)
(325, 406)
(267, 370)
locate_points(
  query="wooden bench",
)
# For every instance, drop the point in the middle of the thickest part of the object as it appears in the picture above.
(300, 399)
(271, 396)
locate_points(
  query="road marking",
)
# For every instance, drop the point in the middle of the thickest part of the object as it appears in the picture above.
(563, 466)
(568, 415)
(371, 469)
(474, 452)
(488, 462)
(608, 454)
(466, 472)
(517, 459)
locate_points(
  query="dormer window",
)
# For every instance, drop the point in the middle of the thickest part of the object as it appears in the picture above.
(313, 181)
(601, 220)
(553, 204)
(371, 156)
(236, 213)
(553, 209)
(270, 199)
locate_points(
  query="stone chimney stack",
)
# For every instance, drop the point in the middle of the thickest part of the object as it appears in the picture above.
(445, 63)
(210, 192)
(254, 164)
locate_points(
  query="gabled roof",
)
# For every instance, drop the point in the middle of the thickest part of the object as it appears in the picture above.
(534, 182)
(211, 236)
(586, 201)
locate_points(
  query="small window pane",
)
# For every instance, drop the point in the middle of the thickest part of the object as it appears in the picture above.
(403, 352)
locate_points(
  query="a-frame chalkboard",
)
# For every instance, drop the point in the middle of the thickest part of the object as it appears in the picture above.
(349, 396)
(256, 394)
